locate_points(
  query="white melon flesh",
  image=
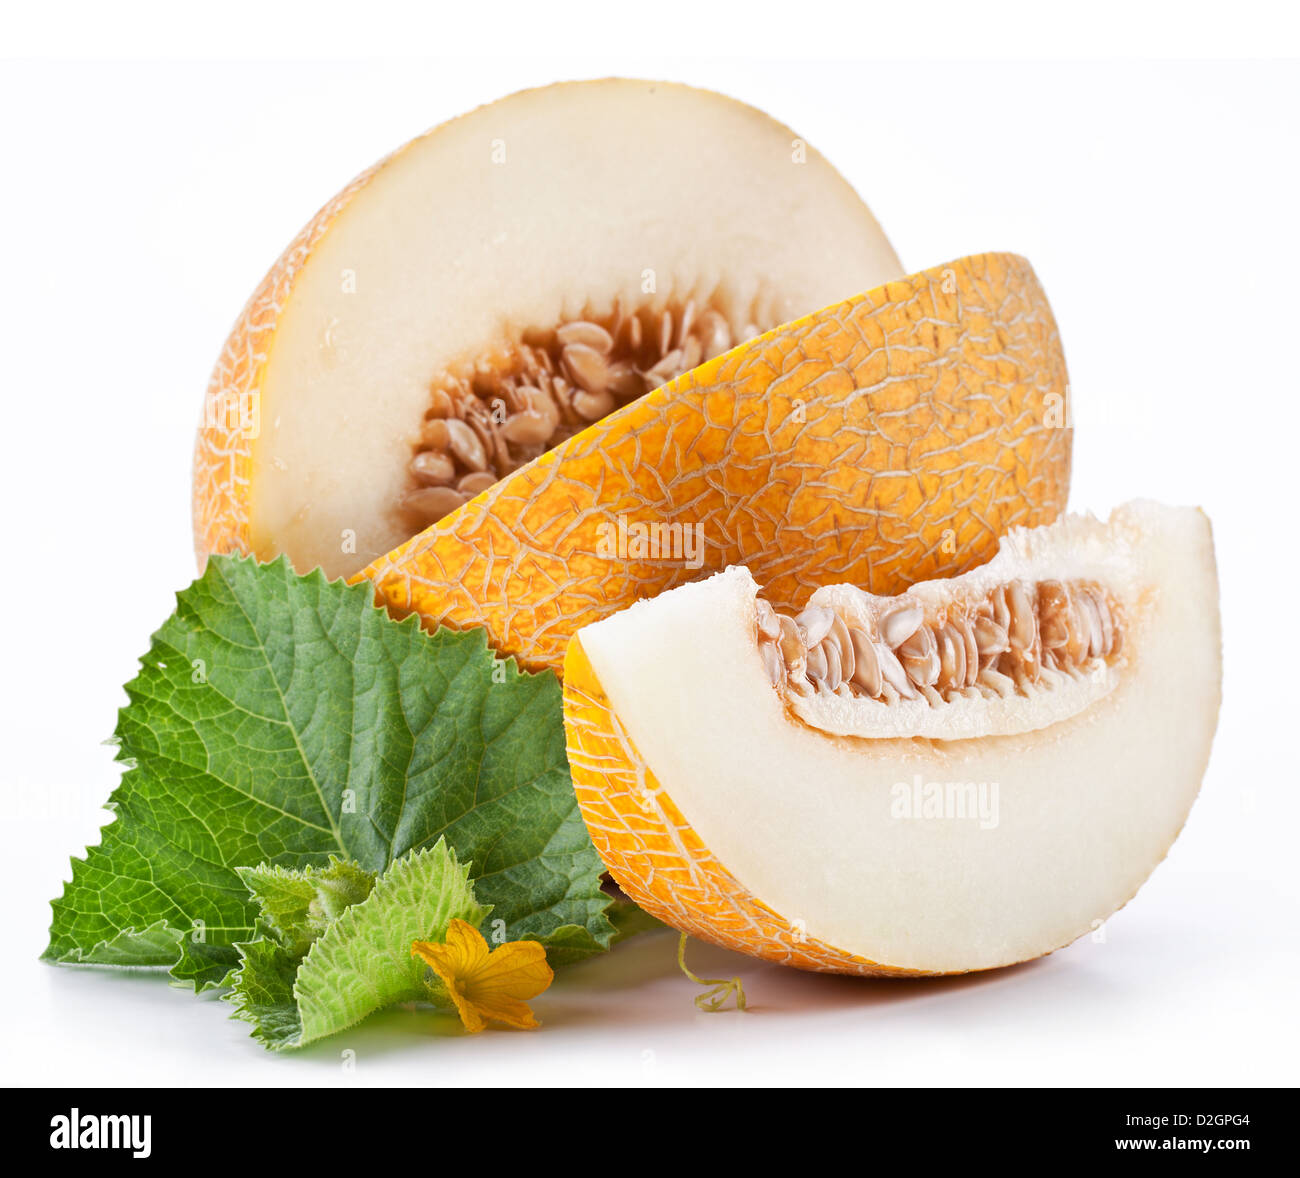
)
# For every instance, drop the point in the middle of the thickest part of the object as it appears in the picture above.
(1077, 813)
(539, 209)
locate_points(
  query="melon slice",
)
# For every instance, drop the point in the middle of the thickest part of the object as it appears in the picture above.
(965, 776)
(494, 287)
(886, 438)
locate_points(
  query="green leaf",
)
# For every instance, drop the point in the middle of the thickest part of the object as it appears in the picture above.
(564, 945)
(155, 945)
(202, 964)
(294, 909)
(262, 992)
(630, 920)
(362, 961)
(297, 905)
(283, 720)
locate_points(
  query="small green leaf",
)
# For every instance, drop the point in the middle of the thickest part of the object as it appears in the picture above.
(297, 905)
(262, 992)
(362, 961)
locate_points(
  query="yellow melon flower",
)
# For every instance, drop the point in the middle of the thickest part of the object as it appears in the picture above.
(487, 984)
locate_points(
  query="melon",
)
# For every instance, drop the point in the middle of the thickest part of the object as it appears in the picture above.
(967, 775)
(583, 344)
(492, 260)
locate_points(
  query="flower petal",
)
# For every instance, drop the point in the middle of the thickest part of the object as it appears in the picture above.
(510, 1011)
(469, 1015)
(516, 969)
(467, 943)
(464, 952)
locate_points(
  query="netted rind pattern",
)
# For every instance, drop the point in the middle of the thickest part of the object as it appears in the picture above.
(884, 440)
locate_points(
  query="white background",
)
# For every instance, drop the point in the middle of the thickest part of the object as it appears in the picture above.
(142, 201)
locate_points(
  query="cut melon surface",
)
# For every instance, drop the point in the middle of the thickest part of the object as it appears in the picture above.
(727, 800)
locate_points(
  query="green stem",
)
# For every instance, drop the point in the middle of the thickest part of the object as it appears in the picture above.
(722, 988)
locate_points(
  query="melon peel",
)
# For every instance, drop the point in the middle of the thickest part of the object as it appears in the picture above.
(888, 438)
(728, 815)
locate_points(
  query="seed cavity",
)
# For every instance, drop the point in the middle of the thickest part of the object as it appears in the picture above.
(507, 410)
(998, 646)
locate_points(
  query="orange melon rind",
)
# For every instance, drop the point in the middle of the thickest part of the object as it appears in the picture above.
(889, 438)
(658, 859)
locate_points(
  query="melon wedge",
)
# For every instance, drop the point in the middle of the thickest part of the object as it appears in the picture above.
(776, 806)
(888, 437)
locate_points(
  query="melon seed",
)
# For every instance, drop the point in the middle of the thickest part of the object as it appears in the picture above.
(553, 383)
(998, 646)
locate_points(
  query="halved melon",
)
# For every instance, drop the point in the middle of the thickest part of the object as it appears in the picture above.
(442, 384)
(965, 776)
(433, 287)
